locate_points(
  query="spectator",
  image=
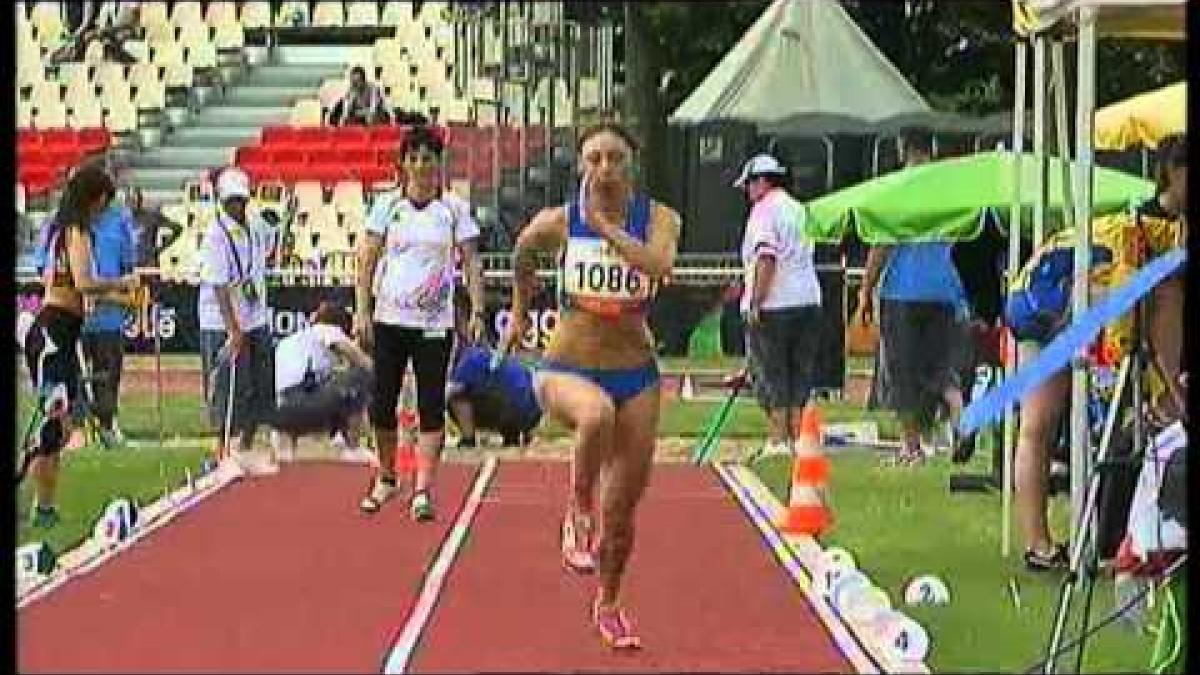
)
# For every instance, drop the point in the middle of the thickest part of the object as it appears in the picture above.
(922, 318)
(311, 395)
(111, 23)
(232, 312)
(362, 104)
(1122, 243)
(781, 301)
(149, 226)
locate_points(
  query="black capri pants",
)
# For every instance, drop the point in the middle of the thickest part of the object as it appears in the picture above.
(429, 351)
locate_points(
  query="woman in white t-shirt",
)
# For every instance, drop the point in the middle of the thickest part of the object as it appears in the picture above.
(404, 307)
(312, 396)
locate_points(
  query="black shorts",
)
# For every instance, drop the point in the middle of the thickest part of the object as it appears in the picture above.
(429, 351)
(922, 349)
(51, 352)
(325, 407)
(782, 353)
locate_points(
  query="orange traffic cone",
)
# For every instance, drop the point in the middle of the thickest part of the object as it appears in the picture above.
(806, 512)
(406, 447)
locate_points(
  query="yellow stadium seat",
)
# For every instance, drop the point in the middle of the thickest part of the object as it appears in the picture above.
(306, 113)
(153, 14)
(151, 95)
(308, 194)
(45, 91)
(396, 13)
(221, 13)
(167, 53)
(184, 14)
(108, 73)
(387, 51)
(193, 34)
(176, 212)
(327, 14)
(120, 116)
(24, 114)
(256, 15)
(87, 114)
(80, 92)
(202, 55)
(50, 114)
(229, 36)
(177, 75)
(331, 91)
(348, 201)
(115, 92)
(455, 110)
(362, 14)
(47, 20)
(291, 14)
(143, 72)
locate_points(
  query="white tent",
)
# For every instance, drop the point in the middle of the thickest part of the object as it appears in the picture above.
(804, 64)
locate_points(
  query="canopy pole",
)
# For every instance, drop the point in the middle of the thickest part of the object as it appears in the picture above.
(1039, 138)
(1061, 132)
(1084, 111)
(1014, 255)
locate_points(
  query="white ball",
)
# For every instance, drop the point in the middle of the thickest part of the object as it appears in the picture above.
(846, 585)
(903, 638)
(864, 604)
(840, 556)
(926, 589)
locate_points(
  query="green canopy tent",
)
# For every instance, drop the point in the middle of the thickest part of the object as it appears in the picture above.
(945, 200)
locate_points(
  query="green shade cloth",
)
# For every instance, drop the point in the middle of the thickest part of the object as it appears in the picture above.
(945, 200)
(705, 340)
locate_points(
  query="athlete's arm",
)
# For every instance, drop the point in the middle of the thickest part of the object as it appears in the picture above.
(473, 271)
(79, 252)
(656, 257)
(544, 233)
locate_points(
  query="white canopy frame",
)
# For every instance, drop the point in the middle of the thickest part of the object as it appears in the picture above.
(1043, 23)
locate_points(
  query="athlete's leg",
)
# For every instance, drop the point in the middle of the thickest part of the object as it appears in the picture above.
(390, 355)
(586, 409)
(1040, 413)
(627, 475)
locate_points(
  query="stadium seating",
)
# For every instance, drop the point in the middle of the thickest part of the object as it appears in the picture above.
(44, 156)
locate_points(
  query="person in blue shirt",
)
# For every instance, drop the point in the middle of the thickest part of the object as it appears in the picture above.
(923, 313)
(499, 398)
(114, 255)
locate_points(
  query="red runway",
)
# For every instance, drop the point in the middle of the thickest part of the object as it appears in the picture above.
(704, 591)
(284, 574)
(275, 574)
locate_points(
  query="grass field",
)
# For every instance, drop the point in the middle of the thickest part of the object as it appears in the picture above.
(902, 522)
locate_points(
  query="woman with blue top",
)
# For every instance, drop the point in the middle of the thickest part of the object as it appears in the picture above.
(922, 320)
(599, 375)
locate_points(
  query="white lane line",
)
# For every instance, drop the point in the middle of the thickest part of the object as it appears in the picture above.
(402, 650)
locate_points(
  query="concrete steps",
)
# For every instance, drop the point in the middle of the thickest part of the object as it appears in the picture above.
(241, 116)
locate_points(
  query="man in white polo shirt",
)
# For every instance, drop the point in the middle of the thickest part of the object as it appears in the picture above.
(781, 303)
(313, 396)
(232, 312)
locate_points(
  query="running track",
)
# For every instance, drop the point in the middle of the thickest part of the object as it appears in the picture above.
(283, 574)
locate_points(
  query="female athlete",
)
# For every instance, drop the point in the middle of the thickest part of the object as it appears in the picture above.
(599, 375)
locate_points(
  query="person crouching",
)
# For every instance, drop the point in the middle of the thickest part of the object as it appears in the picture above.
(311, 395)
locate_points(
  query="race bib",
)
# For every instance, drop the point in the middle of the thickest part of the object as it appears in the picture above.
(595, 273)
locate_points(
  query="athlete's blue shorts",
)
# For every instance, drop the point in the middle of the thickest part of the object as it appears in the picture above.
(621, 384)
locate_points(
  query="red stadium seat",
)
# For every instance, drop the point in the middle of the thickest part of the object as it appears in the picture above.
(352, 135)
(60, 138)
(95, 138)
(251, 154)
(354, 154)
(272, 136)
(289, 155)
(387, 134)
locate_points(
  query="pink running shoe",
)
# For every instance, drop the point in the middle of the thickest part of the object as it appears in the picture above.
(616, 630)
(578, 543)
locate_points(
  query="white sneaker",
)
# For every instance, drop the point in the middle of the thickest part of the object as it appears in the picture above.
(358, 456)
(380, 493)
(256, 463)
(283, 447)
(338, 442)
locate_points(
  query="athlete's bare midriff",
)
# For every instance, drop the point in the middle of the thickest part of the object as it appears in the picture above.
(585, 340)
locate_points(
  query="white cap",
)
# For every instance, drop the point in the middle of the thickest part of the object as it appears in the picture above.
(759, 165)
(233, 182)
